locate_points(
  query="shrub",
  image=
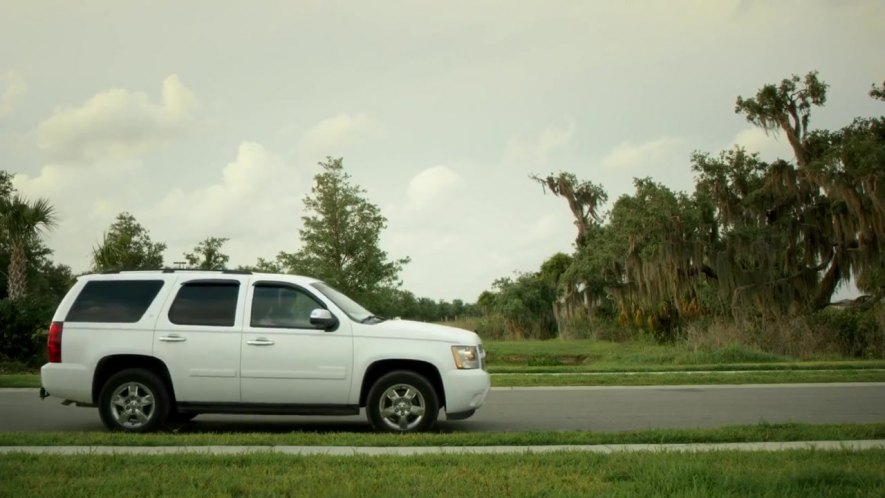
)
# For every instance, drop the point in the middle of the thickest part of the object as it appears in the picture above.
(23, 326)
(860, 334)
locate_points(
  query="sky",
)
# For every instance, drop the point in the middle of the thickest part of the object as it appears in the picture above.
(209, 117)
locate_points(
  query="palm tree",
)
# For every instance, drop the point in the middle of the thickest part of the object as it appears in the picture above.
(21, 223)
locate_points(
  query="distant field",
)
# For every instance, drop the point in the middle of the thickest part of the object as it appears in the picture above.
(799, 473)
(601, 357)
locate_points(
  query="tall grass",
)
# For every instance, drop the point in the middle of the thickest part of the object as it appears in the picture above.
(828, 334)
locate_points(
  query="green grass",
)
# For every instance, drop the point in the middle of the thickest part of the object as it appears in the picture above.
(19, 380)
(731, 434)
(537, 367)
(722, 474)
(646, 379)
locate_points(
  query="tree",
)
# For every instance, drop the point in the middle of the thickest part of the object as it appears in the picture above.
(792, 232)
(6, 188)
(786, 107)
(659, 241)
(340, 238)
(524, 302)
(878, 92)
(207, 255)
(21, 224)
(127, 246)
(584, 199)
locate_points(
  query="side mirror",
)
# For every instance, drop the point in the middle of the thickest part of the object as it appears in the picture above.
(324, 319)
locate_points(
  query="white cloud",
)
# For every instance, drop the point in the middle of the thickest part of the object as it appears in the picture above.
(628, 156)
(536, 152)
(116, 124)
(332, 135)
(256, 203)
(86, 199)
(255, 200)
(769, 146)
(12, 88)
(432, 187)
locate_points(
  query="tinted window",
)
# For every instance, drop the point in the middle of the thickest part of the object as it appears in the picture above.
(348, 305)
(118, 301)
(205, 303)
(282, 306)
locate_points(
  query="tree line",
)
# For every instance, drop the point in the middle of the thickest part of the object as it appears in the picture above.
(755, 241)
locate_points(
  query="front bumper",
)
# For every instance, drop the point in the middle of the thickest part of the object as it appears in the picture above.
(466, 390)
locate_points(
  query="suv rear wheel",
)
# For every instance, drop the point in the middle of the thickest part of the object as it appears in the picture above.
(402, 401)
(134, 400)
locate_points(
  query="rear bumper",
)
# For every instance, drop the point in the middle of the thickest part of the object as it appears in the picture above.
(466, 390)
(66, 381)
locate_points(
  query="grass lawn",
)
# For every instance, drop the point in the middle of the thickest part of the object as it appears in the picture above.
(732, 434)
(698, 378)
(20, 380)
(793, 473)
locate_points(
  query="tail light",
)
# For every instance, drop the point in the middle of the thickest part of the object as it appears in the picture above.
(53, 344)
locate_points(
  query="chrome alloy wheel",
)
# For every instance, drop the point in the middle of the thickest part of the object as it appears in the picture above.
(132, 405)
(402, 407)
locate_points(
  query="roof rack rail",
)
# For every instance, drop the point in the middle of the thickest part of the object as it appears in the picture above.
(229, 272)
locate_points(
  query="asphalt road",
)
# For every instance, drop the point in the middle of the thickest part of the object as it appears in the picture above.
(599, 409)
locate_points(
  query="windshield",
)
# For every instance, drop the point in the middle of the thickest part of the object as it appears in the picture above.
(347, 305)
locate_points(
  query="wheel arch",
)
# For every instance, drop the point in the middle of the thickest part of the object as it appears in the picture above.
(109, 365)
(380, 368)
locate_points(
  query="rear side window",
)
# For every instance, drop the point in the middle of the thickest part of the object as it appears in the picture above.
(114, 301)
(206, 303)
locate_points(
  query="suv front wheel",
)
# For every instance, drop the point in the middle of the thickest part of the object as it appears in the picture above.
(134, 400)
(402, 401)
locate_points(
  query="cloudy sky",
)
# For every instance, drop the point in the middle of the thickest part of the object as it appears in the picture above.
(208, 117)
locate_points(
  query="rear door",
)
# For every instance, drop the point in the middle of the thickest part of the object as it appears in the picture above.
(198, 337)
(285, 359)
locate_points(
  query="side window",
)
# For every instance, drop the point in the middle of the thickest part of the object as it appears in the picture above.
(113, 301)
(206, 303)
(282, 306)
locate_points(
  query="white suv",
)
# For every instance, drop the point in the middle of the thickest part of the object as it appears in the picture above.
(155, 346)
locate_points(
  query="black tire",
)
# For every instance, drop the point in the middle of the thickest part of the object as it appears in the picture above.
(400, 384)
(128, 393)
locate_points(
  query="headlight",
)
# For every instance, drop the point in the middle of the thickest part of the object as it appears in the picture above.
(466, 357)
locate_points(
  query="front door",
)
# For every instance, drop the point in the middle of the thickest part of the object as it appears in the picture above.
(285, 359)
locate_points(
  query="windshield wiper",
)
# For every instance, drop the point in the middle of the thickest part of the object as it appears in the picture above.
(373, 317)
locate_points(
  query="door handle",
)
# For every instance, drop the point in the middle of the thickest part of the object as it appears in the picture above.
(172, 338)
(261, 341)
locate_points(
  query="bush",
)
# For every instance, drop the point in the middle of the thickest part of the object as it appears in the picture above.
(23, 326)
(581, 326)
(827, 334)
(860, 334)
